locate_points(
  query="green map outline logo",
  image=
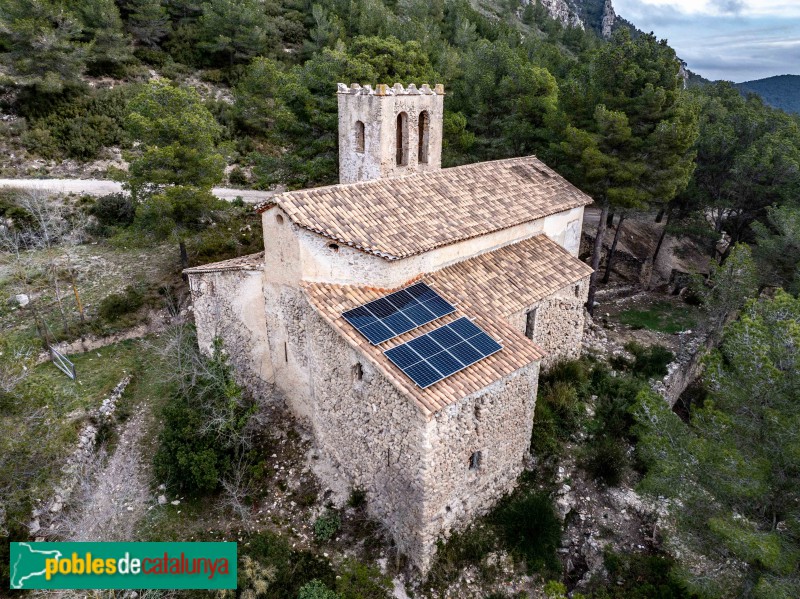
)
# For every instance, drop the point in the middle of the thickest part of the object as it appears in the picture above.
(133, 565)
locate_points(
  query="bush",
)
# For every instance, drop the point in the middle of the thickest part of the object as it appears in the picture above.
(358, 497)
(651, 361)
(205, 423)
(114, 210)
(559, 407)
(359, 581)
(531, 530)
(77, 122)
(293, 569)
(188, 459)
(117, 305)
(326, 526)
(237, 176)
(638, 576)
(316, 589)
(605, 459)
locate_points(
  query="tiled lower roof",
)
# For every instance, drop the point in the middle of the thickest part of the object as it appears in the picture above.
(511, 278)
(249, 262)
(399, 217)
(487, 288)
(518, 351)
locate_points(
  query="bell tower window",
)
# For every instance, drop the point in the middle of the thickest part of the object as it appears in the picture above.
(359, 137)
(402, 139)
(422, 150)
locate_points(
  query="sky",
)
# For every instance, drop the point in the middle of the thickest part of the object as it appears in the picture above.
(737, 40)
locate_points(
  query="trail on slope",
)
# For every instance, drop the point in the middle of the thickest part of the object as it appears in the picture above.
(116, 497)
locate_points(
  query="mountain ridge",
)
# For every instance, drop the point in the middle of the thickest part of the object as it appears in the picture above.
(780, 91)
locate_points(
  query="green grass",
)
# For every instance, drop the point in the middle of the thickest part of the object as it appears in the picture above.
(662, 317)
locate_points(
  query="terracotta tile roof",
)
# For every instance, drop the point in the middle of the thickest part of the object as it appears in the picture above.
(331, 300)
(397, 218)
(249, 262)
(511, 278)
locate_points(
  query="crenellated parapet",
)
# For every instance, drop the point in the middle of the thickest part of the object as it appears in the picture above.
(382, 89)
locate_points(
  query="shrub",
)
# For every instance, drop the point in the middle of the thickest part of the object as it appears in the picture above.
(238, 176)
(77, 122)
(114, 209)
(293, 569)
(605, 459)
(117, 305)
(359, 581)
(638, 576)
(650, 361)
(358, 497)
(188, 459)
(205, 422)
(316, 589)
(531, 530)
(326, 526)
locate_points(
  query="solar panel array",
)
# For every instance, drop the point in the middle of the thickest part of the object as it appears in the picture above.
(441, 353)
(398, 313)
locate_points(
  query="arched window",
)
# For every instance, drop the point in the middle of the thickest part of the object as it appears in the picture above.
(359, 137)
(402, 139)
(422, 150)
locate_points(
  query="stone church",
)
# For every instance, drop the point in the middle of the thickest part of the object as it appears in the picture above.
(496, 241)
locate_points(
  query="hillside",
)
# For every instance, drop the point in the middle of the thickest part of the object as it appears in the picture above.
(782, 91)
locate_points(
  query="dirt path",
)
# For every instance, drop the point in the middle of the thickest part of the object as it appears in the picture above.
(100, 187)
(120, 494)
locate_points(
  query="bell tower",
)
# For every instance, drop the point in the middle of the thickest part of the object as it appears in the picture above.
(389, 131)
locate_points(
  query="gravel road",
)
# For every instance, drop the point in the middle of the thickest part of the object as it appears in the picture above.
(98, 187)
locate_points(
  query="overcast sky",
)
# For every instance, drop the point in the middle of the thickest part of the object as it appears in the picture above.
(738, 40)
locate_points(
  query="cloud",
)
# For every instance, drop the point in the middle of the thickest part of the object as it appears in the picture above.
(738, 46)
(728, 6)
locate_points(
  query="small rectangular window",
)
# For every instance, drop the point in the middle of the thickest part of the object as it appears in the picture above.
(358, 372)
(577, 290)
(530, 324)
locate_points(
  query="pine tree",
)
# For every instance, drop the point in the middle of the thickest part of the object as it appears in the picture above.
(148, 21)
(44, 43)
(628, 135)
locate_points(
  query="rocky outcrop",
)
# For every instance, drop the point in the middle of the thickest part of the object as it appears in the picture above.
(609, 18)
(564, 11)
(598, 15)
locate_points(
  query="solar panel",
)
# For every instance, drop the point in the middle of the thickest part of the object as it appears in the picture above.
(398, 313)
(429, 358)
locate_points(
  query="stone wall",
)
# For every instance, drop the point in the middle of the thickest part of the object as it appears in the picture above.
(416, 472)
(377, 110)
(294, 254)
(559, 322)
(478, 447)
(230, 305)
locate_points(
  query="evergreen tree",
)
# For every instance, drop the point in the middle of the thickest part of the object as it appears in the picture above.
(148, 21)
(102, 27)
(239, 29)
(733, 474)
(172, 172)
(628, 134)
(43, 42)
(778, 248)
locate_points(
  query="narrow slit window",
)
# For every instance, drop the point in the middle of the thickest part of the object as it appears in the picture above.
(422, 150)
(530, 324)
(475, 460)
(358, 372)
(402, 139)
(359, 137)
